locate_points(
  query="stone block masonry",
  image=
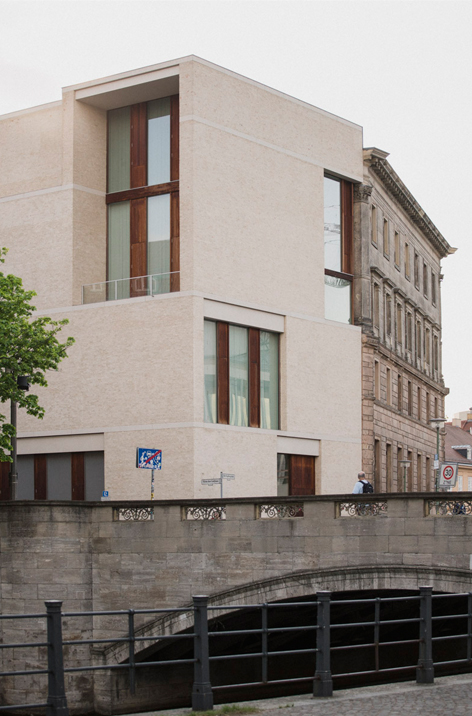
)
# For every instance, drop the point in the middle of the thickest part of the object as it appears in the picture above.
(81, 554)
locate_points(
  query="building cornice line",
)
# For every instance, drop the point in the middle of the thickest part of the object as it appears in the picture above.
(334, 437)
(377, 160)
(268, 145)
(51, 190)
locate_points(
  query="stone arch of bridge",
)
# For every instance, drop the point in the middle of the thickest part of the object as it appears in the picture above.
(300, 584)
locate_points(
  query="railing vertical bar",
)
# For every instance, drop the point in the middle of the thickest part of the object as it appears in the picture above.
(469, 626)
(377, 633)
(425, 669)
(202, 695)
(323, 682)
(57, 700)
(131, 644)
(264, 649)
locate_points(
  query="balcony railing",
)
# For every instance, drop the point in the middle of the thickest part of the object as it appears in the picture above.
(117, 289)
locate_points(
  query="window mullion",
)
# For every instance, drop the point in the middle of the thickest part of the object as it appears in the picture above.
(138, 142)
(138, 244)
(254, 378)
(222, 341)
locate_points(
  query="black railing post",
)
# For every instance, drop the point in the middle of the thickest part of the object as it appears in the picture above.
(323, 683)
(425, 669)
(202, 695)
(131, 659)
(264, 644)
(57, 701)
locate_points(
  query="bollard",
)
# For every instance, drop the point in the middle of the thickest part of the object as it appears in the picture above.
(202, 695)
(57, 701)
(425, 668)
(323, 683)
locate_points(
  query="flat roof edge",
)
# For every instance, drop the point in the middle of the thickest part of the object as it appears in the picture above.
(194, 58)
(29, 110)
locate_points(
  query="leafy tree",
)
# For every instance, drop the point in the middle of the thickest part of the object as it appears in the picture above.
(27, 347)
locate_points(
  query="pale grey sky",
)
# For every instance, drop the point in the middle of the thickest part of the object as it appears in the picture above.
(402, 69)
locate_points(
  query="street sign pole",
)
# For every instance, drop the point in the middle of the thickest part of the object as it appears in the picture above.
(152, 484)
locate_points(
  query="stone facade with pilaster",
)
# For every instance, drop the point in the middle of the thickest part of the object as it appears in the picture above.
(397, 303)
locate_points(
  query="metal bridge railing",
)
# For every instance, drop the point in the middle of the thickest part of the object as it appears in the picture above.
(199, 613)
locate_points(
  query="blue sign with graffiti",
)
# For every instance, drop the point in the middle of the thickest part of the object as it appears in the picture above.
(148, 458)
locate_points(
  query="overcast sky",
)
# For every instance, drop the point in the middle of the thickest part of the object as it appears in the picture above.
(401, 69)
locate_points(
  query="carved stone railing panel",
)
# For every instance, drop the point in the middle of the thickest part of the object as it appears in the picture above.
(448, 508)
(204, 513)
(133, 514)
(361, 509)
(280, 511)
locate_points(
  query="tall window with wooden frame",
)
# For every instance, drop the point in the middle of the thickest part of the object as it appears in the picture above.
(338, 232)
(143, 199)
(241, 376)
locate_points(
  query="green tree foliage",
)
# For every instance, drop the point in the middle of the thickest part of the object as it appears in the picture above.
(27, 347)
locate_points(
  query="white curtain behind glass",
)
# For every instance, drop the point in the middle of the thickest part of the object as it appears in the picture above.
(118, 250)
(119, 149)
(158, 220)
(238, 376)
(210, 371)
(269, 350)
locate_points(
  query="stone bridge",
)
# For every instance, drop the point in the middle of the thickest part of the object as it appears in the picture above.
(110, 556)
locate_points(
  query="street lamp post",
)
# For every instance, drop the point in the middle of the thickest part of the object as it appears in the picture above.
(406, 464)
(438, 423)
(22, 384)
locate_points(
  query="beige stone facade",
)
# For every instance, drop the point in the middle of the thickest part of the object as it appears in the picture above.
(252, 162)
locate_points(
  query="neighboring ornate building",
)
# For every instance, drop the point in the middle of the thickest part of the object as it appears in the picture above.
(458, 448)
(397, 301)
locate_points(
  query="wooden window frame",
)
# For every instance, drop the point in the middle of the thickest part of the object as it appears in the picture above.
(347, 233)
(139, 192)
(254, 375)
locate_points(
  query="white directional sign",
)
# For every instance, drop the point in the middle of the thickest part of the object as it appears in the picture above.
(447, 474)
(219, 480)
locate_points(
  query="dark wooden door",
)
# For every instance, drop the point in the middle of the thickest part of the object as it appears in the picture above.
(40, 477)
(302, 475)
(5, 468)
(78, 476)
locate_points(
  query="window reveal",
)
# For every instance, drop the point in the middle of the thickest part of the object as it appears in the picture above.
(143, 198)
(338, 231)
(241, 376)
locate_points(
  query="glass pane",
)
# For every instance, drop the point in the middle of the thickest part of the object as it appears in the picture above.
(337, 299)
(158, 232)
(210, 371)
(269, 380)
(332, 224)
(159, 141)
(282, 475)
(119, 149)
(118, 250)
(238, 376)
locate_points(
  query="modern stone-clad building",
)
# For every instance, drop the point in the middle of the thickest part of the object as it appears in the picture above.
(246, 285)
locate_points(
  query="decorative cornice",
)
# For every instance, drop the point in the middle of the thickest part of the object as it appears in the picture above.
(362, 192)
(376, 159)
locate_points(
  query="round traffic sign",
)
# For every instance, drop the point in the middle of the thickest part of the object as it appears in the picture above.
(448, 472)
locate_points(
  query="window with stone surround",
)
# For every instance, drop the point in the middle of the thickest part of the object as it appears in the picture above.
(386, 243)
